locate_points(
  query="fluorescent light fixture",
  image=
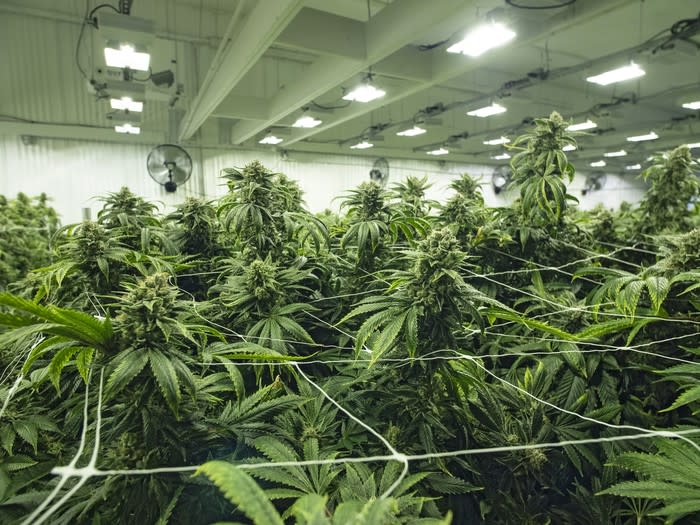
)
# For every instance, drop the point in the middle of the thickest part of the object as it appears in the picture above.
(640, 138)
(411, 132)
(364, 93)
(482, 39)
(598, 164)
(502, 156)
(632, 167)
(694, 145)
(618, 75)
(270, 139)
(126, 104)
(127, 128)
(439, 151)
(487, 111)
(620, 153)
(306, 122)
(581, 126)
(569, 147)
(126, 56)
(692, 105)
(497, 142)
(362, 145)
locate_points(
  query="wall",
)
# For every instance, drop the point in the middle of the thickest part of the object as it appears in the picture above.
(73, 173)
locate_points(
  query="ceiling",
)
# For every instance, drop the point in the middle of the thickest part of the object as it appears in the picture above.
(246, 68)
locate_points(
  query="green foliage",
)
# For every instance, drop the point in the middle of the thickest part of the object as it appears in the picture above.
(672, 475)
(26, 228)
(673, 185)
(443, 328)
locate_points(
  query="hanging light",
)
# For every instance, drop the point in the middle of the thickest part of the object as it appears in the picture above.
(598, 164)
(125, 55)
(640, 138)
(497, 142)
(270, 139)
(569, 147)
(363, 144)
(487, 111)
(581, 126)
(126, 104)
(692, 105)
(620, 153)
(633, 167)
(306, 121)
(618, 75)
(438, 152)
(502, 156)
(482, 39)
(127, 128)
(364, 93)
(411, 132)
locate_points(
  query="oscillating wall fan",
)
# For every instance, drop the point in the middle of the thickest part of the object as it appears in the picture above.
(500, 178)
(380, 171)
(169, 165)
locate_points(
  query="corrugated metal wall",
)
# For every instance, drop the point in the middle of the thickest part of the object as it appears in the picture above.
(73, 173)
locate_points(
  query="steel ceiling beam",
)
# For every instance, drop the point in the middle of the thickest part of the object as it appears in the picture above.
(237, 56)
(394, 27)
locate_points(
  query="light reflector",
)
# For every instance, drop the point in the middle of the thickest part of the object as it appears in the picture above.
(620, 153)
(126, 104)
(439, 151)
(692, 105)
(581, 126)
(127, 128)
(411, 132)
(482, 39)
(640, 138)
(270, 139)
(497, 142)
(487, 111)
(598, 164)
(364, 93)
(125, 55)
(362, 145)
(618, 75)
(306, 122)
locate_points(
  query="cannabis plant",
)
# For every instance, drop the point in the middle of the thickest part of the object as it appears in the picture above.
(673, 184)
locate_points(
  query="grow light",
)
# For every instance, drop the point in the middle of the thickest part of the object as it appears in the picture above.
(502, 156)
(618, 75)
(482, 39)
(126, 56)
(411, 132)
(581, 126)
(439, 151)
(692, 105)
(487, 111)
(694, 145)
(497, 142)
(633, 167)
(270, 139)
(569, 147)
(306, 122)
(127, 128)
(640, 138)
(598, 164)
(364, 93)
(362, 145)
(126, 104)
(620, 153)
